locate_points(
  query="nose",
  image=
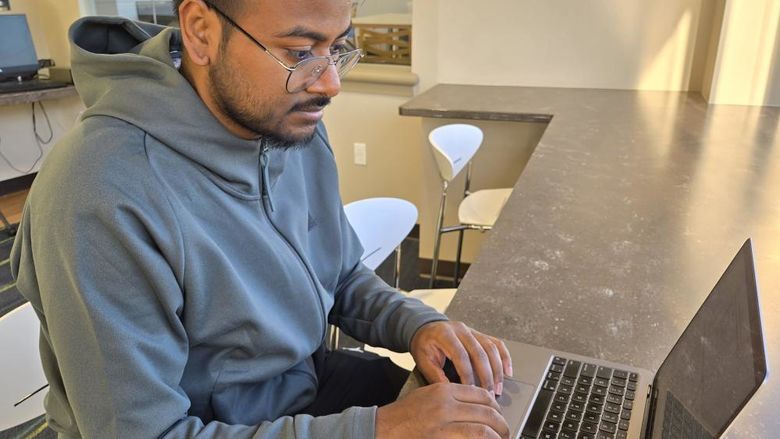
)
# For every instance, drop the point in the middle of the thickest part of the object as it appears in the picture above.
(329, 84)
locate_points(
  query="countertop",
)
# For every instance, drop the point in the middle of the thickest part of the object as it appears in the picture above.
(629, 210)
(26, 97)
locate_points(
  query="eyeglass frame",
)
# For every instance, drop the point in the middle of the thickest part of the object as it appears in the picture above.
(332, 59)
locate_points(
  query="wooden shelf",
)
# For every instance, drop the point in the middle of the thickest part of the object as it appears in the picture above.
(27, 97)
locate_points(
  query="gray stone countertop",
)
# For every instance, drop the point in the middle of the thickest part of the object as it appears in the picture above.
(629, 210)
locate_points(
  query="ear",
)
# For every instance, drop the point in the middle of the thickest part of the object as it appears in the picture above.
(201, 31)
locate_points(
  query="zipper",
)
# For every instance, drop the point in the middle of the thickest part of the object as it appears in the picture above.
(267, 205)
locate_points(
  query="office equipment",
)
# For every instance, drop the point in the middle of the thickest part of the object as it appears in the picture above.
(18, 59)
(712, 371)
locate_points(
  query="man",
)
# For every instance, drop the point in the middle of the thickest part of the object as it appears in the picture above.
(185, 246)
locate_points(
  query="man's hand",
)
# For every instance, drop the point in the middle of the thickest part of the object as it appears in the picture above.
(479, 359)
(442, 410)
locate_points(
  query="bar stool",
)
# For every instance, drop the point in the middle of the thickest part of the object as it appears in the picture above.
(381, 225)
(453, 147)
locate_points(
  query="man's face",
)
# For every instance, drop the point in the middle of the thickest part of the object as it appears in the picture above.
(249, 86)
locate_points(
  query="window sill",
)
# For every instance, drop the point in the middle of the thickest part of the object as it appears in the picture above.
(381, 79)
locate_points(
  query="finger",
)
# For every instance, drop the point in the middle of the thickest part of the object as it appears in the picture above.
(432, 372)
(480, 414)
(473, 395)
(496, 365)
(469, 431)
(480, 361)
(506, 359)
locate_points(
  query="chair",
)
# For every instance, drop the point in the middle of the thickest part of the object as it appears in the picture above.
(381, 225)
(21, 373)
(453, 147)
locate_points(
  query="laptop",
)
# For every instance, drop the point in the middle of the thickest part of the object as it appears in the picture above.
(712, 371)
(18, 59)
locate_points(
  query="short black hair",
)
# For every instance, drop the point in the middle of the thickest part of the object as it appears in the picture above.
(230, 7)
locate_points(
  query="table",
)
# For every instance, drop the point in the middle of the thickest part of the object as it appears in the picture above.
(628, 211)
(27, 97)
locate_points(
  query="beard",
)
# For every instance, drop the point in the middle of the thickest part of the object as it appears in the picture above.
(231, 92)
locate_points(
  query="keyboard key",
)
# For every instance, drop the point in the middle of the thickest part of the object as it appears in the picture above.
(629, 395)
(612, 408)
(559, 360)
(611, 417)
(556, 368)
(582, 388)
(601, 382)
(620, 382)
(577, 406)
(580, 397)
(596, 390)
(608, 427)
(586, 435)
(572, 368)
(588, 370)
(570, 425)
(585, 379)
(567, 435)
(596, 399)
(558, 406)
(605, 435)
(552, 426)
(604, 372)
(614, 399)
(536, 417)
(623, 424)
(566, 381)
(631, 386)
(561, 397)
(628, 405)
(556, 416)
(549, 385)
(574, 416)
(625, 414)
(591, 417)
(622, 374)
(616, 390)
(593, 408)
(633, 377)
(553, 376)
(620, 434)
(565, 389)
(588, 427)
(548, 435)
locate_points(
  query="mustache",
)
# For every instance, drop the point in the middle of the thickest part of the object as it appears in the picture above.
(313, 104)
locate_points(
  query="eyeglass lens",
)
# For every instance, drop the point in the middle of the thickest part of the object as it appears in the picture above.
(308, 72)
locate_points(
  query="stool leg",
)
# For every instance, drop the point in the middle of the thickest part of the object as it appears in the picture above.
(456, 279)
(397, 270)
(437, 243)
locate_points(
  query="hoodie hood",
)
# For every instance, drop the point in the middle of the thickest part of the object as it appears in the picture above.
(128, 70)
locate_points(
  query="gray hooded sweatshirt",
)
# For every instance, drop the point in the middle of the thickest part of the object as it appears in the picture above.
(184, 277)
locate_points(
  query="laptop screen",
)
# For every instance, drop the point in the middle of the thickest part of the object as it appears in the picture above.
(718, 362)
(17, 52)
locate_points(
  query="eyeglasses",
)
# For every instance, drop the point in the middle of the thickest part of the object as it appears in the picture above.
(305, 73)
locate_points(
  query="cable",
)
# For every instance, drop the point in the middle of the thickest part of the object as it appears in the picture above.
(39, 141)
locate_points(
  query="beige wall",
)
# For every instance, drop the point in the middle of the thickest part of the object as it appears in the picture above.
(747, 65)
(48, 20)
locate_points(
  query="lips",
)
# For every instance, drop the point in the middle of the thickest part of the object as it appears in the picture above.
(315, 105)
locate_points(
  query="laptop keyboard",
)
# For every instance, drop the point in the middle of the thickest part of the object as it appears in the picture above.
(582, 401)
(679, 423)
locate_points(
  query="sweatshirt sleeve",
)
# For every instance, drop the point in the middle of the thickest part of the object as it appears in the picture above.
(113, 344)
(368, 309)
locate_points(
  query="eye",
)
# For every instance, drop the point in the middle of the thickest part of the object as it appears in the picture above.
(299, 55)
(338, 48)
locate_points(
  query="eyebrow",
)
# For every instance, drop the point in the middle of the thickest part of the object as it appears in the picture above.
(302, 32)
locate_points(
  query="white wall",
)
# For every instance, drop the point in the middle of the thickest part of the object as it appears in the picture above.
(49, 21)
(622, 44)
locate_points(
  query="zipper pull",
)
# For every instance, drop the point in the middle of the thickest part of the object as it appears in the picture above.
(266, 180)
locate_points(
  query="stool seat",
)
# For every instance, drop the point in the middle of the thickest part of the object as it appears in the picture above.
(482, 208)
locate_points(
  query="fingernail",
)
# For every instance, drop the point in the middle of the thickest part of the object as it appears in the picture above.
(500, 389)
(510, 371)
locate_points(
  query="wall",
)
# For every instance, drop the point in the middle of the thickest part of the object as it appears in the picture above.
(747, 65)
(49, 21)
(621, 44)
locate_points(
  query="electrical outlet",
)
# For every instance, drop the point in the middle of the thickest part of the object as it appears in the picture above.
(359, 152)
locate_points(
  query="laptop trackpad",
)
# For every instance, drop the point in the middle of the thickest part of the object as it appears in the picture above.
(515, 402)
